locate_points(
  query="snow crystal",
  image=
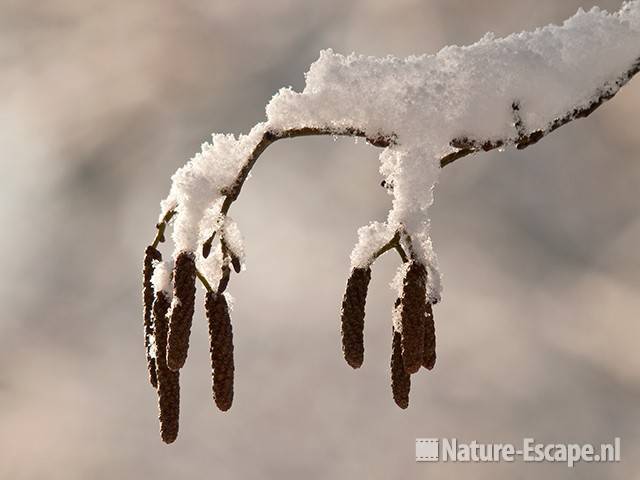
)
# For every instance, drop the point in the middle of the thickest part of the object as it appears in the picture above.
(398, 279)
(396, 320)
(161, 278)
(231, 302)
(153, 347)
(211, 267)
(233, 238)
(370, 239)
(423, 103)
(211, 221)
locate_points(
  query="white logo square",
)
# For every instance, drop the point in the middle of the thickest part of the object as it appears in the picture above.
(427, 449)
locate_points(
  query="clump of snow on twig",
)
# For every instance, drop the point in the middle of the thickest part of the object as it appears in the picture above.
(371, 238)
(161, 279)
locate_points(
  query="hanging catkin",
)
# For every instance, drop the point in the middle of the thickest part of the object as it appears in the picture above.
(353, 304)
(150, 255)
(168, 380)
(184, 291)
(400, 379)
(221, 348)
(429, 353)
(413, 305)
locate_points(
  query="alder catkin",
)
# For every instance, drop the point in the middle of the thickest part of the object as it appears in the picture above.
(413, 305)
(168, 380)
(224, 280)
(221, 349)
(150, 255)
(429, 353)
(184, 291)
(400, 379)
(353, 304)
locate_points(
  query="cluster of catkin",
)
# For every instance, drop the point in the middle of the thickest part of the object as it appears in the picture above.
(167, 325)
(168, 317)
(414, 339)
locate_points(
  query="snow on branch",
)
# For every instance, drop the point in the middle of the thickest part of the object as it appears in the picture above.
(424, 112)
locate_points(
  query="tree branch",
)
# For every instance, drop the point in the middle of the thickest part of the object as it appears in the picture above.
(523, 139)
(419, 288)
(464, 146)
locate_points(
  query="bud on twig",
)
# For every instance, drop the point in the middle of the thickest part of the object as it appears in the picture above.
(221, 338)
(184, 291)
(206, 246)
(237, 266)
(429, 353)
(413, 307)
(353, 303)
(400, 379)
(150, 254)
(224, 279)
(168, 381)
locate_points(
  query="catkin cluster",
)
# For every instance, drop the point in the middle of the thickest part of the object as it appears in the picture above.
(167, 327)
(414, 340)
(169, 309)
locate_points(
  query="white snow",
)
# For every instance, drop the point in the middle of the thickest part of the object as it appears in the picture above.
(425, 101)
(371, 238)
(153, 347)
(211, 267)
(210, 221)
(161, 278)
(202, 181)
(233, 238)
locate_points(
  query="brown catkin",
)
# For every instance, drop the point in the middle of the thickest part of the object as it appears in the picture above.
(184, 291)
(429, 353)
(353, 303)
(221, 338)
(150, 255)
(413, 304)
(400, 379)
(168, 380)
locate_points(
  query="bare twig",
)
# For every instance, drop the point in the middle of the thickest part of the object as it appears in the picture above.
(394, 243)
(203, 280)
(161, 226)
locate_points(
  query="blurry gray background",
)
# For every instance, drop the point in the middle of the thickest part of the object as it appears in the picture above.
(101, 101)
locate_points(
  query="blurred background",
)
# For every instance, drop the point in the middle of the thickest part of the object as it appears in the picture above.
(102, 101)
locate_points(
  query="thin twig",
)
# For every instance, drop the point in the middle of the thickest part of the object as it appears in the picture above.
(394, 243)
(203, 280)
(162, 226)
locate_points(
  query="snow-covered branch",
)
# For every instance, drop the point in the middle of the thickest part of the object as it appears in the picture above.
(526, 138)
(424, 112)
